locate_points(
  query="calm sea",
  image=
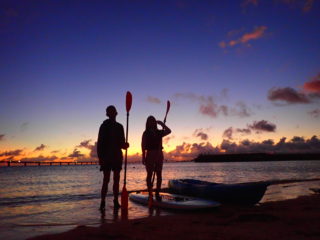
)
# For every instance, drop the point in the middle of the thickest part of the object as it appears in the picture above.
(44, 199)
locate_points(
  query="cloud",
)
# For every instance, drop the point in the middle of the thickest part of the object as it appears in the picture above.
(208, 107)
(24, 126)
(258, 126)
(263, 125)
(246, 3)
(288, 95)
(257, 33)
(305, 5)
(313, 86)
(2, 137)
(153, 100)
(40, 148)
(315, 113)
(13, 153)
(295, 145)
(92, 147)
(85, 144)
(40, 158)
(201, 134)
(76, 154)
(188, 151)
(167, 139)
(228, 133)
(308, 6)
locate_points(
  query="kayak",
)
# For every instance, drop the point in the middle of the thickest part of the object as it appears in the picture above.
(240, 193)
(174, 201)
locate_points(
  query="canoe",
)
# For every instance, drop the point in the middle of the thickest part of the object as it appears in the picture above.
(240, 193)
(174, 201)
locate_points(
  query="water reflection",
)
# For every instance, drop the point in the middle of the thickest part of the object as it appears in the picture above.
(70, 195)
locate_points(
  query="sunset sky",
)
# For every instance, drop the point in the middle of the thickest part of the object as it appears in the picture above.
(241, 76)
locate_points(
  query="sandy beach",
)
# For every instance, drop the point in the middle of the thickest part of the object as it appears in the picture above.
(290, 219)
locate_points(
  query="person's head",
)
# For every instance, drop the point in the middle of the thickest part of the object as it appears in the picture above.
(111, 112)
(151, 123)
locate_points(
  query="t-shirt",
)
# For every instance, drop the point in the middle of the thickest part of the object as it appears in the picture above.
(152, 140)
(110, 141)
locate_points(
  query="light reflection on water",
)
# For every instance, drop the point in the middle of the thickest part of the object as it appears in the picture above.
(41, 199)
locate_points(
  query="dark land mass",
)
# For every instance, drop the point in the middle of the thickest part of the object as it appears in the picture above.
(256, 157)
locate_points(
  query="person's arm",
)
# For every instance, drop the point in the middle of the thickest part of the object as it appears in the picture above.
(166, 130)
(100, 144)
(143, 148)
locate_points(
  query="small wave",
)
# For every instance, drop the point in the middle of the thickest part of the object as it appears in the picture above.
(285, 181)
(16, 201)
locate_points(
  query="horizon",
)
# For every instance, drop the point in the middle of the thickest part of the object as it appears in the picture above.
(241, 76)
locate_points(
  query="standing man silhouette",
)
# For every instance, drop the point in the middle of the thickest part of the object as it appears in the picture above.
(110, 142)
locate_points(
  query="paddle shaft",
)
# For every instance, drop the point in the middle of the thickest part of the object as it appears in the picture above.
(164, 121)
(126, 152)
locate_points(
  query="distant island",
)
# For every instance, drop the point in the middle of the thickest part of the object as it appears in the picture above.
(256, 157)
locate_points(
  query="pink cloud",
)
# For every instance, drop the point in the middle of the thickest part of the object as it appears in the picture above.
(313, 86)
(257, 33)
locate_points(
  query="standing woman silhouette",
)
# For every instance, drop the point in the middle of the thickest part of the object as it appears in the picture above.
(152, 155)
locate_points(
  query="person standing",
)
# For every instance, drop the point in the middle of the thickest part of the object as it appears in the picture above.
(152, 155)
(111, 140)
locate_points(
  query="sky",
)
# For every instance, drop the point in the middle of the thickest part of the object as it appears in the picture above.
(241, 75)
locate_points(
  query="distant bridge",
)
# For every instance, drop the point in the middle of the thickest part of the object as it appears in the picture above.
(17, 163)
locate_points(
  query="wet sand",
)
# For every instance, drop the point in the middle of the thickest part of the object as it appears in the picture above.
(295, 219)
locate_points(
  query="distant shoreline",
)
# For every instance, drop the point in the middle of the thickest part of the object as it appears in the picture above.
(257, 157)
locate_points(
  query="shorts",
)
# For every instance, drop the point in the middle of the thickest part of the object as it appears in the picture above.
(111, 166)
(154, 160)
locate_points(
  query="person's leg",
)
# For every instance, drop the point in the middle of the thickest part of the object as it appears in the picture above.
(159, 180)
(149, 181)
(116, 180)
(158, 169)
(104, 189)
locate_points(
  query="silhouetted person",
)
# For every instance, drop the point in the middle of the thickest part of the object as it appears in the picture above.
(152, 155)
(110, 142)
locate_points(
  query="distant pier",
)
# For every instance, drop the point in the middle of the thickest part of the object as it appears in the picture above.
(24, 164)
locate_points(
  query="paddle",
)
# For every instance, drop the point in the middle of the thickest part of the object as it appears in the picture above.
(124, 193)
(164, 121)
(168, 108)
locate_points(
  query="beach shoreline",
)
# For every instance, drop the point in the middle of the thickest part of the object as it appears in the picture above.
(289, 219)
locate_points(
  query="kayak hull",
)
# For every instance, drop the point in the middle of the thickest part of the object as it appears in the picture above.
(174, 201)
(241, 193)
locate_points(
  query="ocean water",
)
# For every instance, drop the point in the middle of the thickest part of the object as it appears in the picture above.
(37, 200)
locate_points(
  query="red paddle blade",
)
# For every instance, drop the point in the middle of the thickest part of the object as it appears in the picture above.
(128, 101)
(124, 198)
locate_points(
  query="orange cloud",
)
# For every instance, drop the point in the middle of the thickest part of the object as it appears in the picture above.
(257, 33)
